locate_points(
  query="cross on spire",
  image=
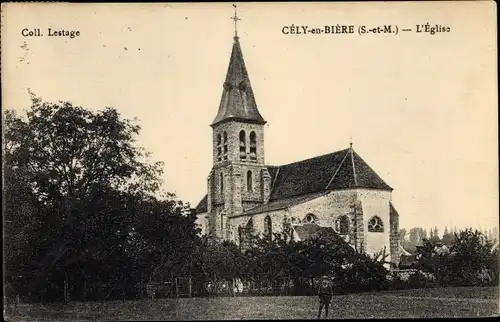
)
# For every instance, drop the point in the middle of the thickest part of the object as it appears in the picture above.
(235, 19)
(350, 142)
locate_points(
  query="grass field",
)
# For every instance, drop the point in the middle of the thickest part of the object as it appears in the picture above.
(445, 302)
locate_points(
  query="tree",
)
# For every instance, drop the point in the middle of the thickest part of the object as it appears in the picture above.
(169, 237)
(448, 237)
(490, 234)
(218, 263)
(80, 177)
(470, 256)
(416, 235)
(435, 235)
(472, 253)
(22, 225)
(69, 150)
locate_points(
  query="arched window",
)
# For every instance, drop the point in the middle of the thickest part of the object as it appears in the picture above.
(224, 135)
(253, 146)
(342, 225)
(249, 227)
(222, 183)
(375, 225)
(243, 145)
(219, 147)
(268, 226)
(249, 181)
(310, 218)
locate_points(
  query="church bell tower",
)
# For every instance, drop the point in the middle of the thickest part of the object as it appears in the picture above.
(239, 179)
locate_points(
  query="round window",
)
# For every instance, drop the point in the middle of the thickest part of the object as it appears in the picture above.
(375, 224)
(310, 218)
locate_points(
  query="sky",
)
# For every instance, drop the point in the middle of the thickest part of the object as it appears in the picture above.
(421, 109)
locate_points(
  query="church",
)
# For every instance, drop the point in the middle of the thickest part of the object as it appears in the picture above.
(338, 190)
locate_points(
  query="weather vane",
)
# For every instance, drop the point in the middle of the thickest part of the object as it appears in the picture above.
(235, 18)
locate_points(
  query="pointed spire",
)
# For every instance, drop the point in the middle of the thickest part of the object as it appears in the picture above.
(238, 101)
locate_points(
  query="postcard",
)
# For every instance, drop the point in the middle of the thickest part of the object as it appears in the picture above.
(221, 161)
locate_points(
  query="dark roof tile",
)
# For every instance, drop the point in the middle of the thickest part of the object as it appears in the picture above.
(310, 231)
(283, 203)
(238, 101)
(202, 206)
(337, 170)
(407, 260)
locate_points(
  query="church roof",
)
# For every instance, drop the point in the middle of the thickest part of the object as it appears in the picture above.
(284, 203)
(202, 206)
(304, 180)
(338, 170)
(311, 231)
(403, 251)
(238, 101)
(407, 261)
(408, 247)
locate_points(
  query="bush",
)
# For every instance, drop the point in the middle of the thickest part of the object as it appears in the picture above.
(420, 280)
(399, 284)
(361, 273)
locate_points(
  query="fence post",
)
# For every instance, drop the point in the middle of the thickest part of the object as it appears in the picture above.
(176, 287)
(190, 286)
(65, 287)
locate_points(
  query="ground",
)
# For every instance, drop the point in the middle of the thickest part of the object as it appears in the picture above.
(443, 302)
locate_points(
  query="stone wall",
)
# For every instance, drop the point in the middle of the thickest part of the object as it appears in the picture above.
(394, 238)
(215, 220)
(258, 222)
(329, 208)
(357, 231)
(375, 203)
(265, 188)
(359, 205)
(326, 208)
(229, 187)
(233, 128)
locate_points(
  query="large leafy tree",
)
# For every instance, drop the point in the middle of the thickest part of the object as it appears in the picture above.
(416, 235)
(76, 185)
(68, 150)
(470, 256)
(168, 238)
(22, 221)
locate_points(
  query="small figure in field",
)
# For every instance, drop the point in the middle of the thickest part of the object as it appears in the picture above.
(325, 294)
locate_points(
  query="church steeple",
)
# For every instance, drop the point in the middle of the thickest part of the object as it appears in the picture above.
(239, 178)
(238, 101)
